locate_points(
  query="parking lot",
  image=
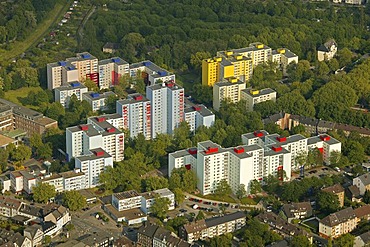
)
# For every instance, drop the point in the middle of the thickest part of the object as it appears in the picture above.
(86, 222)
(319, 172)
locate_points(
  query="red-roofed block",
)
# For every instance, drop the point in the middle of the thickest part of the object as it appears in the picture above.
(99, 153)
(211, 150)
(192, 151)
(276, 149)
(188, 167)
(258, 134)
(281, 139)
(325, 138)
(100, 119)
(321, 150)
(197, 108)
(170, 84)
(110, 130)
(239, 150)
(84, 127)
(138, 97)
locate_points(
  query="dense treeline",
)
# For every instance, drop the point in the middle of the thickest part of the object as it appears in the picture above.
(18, 18)
(170, 32)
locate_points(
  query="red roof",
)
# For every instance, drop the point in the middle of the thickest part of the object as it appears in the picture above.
(239, 150)
(258, 133)
(276, 148)
(211, 150)
(84, 127)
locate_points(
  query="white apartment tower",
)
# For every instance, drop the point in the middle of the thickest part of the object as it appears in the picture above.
(167, 107)
(136, 114)
(261, 155)
(253, 97)
(98, 133)
(63, 94)
(93, 164)
(198, 115)
(227, 90)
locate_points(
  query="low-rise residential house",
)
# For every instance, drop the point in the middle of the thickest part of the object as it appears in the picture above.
(10, 239)
(30, 211)
(98, 239)
(5, 183)
(337, 224)
(281, 226)
(327, 50)
(150, 235)
(73, 180)
(35, 234)
(49, 228)
(55, 180)
(9, 207)
(298, 210)
(123, 242)
(58, 215)
(126, 200)
(212, 227)
(16, 179)
(363, 213)
(362, 240)
(337, 190)
(29, 181)
(362, 182)
(353, 193)
(21, 220)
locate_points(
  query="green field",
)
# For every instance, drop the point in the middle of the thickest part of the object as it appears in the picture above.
(228, 199)
(42, 28)
(16, 96)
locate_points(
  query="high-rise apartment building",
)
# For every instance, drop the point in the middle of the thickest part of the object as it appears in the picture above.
(97, 101)
(167, 107)
(136, 114)
(253, 97)
(86, 65)
(60, 73)
(261, 155)
(325, 144)
(228, 90)
(93, 164)
(151, 73)
(198, 115)
(111, 70)
(239, 63)
(98, 133)
(63, 94)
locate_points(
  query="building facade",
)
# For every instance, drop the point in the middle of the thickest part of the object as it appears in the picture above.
(229, 91)
(63, 94)
(253, 97)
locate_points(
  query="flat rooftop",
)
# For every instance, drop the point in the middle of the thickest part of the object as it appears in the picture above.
(126, 194)
(261, 92)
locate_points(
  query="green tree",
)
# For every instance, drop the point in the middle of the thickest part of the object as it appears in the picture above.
(91, 85)
(346, 240)
(200, 216)
(154, 183)
(241, 192)
(300, 241)
(366, 198)
(73, 200)
(327, 202)
(197, 58)
(179, 196)
(4, 156)
(221, 241)
(43, 192)
(255, 186)
(21, 153)
(223, 188)
(160, 207)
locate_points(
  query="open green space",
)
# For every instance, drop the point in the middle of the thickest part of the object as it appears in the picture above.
(249, 201)
(42, 28)
(16, 96)
(228, 199)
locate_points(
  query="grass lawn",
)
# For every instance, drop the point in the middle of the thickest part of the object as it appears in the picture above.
(16, 96)
(219, 198)
(42, 28)
(249, 201)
